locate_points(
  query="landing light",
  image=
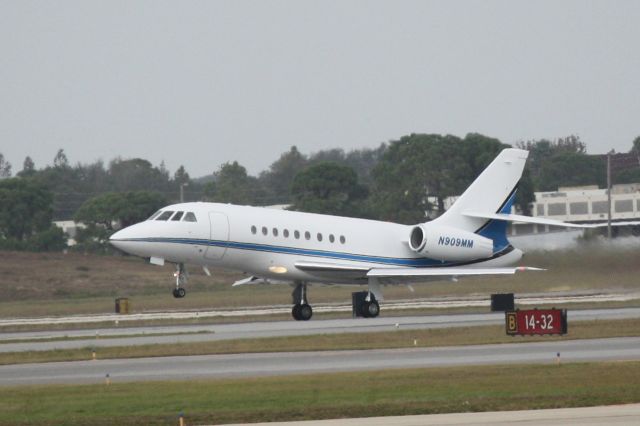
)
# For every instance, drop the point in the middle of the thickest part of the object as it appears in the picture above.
(278, 269)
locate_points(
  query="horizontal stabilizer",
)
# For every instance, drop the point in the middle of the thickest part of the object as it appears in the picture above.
(543, 221)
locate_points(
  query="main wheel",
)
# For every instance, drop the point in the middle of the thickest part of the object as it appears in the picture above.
(305, 312)
(295, 312)
(370, 309)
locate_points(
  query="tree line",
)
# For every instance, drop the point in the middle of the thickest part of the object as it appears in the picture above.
(406, 180)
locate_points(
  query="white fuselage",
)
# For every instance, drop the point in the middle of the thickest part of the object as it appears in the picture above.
(268, 242)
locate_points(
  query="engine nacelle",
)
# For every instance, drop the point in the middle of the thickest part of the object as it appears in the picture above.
(445, 243)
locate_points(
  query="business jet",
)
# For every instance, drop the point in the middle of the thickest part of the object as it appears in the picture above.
(278, 246)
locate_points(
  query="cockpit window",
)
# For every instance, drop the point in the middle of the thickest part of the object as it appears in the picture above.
(177, 216)
(153, 216)
(165, 215)
(190, 217)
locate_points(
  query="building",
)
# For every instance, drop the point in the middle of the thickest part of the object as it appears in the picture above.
(583, 204)
(70, 228)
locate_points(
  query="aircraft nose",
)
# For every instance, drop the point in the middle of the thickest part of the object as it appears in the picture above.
(118, 235)
(119, 238)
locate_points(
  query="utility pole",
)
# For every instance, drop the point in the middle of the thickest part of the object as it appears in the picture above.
(609, 194)
(182, 185)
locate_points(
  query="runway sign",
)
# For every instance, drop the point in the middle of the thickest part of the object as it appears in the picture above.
(536, 322)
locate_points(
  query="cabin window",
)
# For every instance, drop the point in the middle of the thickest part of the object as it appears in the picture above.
(177, 216)
(190, 217)
(296, 234)
(265, 231)
(319, 236)
(165, 215)
(153, 216)
(285, 233)
(275, 232)
(254, 230)
(332, 238)
(342, 239)
(307, 235)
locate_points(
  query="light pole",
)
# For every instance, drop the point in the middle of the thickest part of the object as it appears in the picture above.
(617, 162)
(609, 194)
(182, 185)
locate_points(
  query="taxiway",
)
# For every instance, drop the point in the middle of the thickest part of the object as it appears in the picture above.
(275, 364)
(129, 336)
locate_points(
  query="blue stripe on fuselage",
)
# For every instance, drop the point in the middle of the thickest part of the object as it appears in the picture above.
(414, 262)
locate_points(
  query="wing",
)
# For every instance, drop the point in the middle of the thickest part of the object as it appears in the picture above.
(334, 271)
(411, 275)
(341, 272)
(337, 272)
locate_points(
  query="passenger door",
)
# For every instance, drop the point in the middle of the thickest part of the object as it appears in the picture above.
(219, 236)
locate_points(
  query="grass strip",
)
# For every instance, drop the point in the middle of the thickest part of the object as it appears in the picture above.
(347, 341)
(340, 395)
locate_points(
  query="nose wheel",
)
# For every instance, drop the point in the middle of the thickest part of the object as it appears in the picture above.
(302, 312)
(181, 279)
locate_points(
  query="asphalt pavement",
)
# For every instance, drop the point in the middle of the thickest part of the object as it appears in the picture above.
(276, 364)
(98, 337)
(618, 415)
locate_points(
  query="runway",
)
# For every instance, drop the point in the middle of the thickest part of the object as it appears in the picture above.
(398, 305)
(619, 415)
(275, 364)
(130, 336)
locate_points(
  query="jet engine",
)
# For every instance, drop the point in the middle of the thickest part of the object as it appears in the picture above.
(451, 244)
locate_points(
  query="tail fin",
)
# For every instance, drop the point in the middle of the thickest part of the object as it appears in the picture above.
(492, 192)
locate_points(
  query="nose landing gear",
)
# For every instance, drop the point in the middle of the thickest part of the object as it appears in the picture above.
(181, 279)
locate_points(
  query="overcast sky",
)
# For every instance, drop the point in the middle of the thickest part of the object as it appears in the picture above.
(202, 83)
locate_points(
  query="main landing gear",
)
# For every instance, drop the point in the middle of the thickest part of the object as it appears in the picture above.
(301, 309)
(181, 279)
(365, 304)
(370, 307)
